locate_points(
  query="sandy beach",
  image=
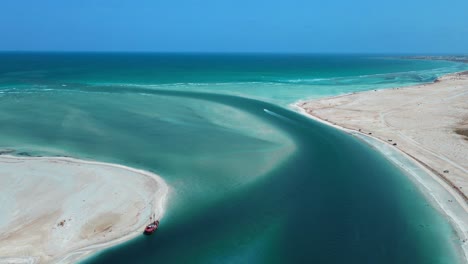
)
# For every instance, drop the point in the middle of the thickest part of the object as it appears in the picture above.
(426, 123)
(63, 209)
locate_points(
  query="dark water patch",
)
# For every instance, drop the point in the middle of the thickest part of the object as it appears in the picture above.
(336, 201)
(64, 68)
(6, 151)
(463, 132)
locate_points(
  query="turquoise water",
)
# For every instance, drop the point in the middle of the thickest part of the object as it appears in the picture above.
(253, 182)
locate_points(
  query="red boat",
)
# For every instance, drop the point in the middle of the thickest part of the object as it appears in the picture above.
(151, 228)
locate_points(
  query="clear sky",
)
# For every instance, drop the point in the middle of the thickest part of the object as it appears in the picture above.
(310, 26)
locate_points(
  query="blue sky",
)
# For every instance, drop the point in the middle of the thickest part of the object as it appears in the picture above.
(310, 26)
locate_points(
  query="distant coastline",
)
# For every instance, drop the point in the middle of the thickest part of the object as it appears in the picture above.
(455, 58)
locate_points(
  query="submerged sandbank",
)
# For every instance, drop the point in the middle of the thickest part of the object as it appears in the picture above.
(417, 124)
(58, 209)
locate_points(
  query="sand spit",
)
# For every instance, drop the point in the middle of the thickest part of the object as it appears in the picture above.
(63, 209)
(421, 121)
(425, 123)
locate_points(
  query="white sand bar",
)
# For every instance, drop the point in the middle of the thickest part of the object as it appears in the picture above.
(421, 120)
(427, 124)
(62, 209)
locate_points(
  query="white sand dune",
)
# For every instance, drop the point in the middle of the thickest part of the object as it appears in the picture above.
(62, 209)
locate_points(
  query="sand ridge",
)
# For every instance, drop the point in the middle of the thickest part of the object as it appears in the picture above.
(62, 209)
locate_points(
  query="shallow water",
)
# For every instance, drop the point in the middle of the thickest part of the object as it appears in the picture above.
(252, 181)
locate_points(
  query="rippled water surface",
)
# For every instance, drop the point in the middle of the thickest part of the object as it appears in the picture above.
(252, 181)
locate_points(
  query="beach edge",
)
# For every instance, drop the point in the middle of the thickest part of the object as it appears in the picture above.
(458, 222)
(78, 255)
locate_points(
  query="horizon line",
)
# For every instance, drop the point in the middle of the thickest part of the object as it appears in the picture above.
(240, 52)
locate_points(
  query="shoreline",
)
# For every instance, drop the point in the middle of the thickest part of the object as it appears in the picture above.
(426, 178)
(458, 222)
(122, 224)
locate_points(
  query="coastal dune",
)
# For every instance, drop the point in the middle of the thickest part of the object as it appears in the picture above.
(62, 209)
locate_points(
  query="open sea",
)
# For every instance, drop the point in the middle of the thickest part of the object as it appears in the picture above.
(252, 180)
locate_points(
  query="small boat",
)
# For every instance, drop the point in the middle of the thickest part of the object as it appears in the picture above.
(151, 228)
